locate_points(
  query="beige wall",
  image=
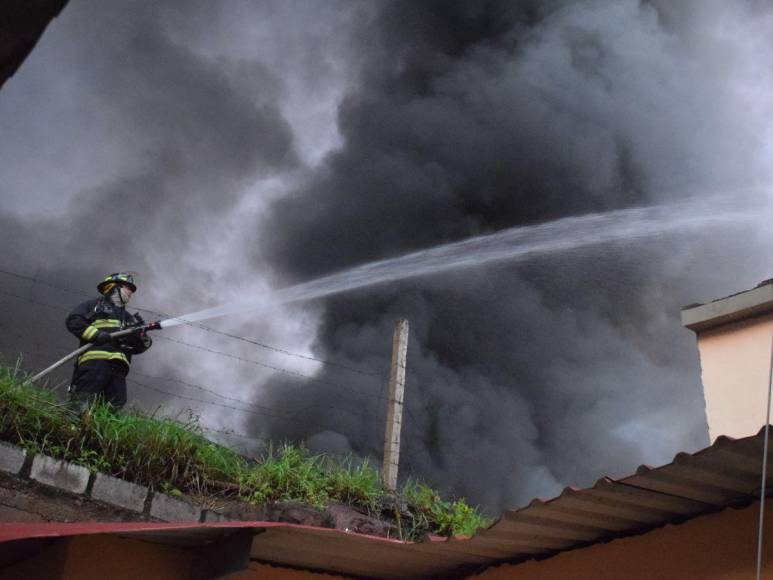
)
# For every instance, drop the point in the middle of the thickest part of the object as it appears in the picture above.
(719, 546)
(735, 370)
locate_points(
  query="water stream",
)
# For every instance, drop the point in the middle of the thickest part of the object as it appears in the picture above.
(511, 245)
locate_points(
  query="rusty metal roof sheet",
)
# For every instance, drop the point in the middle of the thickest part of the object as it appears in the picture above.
(726, 474)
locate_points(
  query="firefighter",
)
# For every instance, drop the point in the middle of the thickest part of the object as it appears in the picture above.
(101, 371)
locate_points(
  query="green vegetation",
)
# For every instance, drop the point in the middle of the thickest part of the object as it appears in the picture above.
(175, 457)
(443, 517)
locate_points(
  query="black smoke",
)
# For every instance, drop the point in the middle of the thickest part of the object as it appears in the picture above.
(154, 135)
(152, 142)
(470, 117)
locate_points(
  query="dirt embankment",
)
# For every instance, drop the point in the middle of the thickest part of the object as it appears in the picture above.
(26, 501)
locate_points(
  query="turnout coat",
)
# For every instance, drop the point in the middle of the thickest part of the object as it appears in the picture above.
(100, 314)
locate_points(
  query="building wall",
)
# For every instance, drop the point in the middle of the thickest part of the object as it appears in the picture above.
(22, 500)
(257, 571)
(103, 556)
(735, 369)
(719, 546)
(97, 557)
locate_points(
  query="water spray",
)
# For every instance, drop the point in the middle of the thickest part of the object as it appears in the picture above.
(511, 245)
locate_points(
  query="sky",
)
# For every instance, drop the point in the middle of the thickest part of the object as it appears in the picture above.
(227, 150)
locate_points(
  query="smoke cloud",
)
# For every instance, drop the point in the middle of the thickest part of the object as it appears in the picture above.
(149, 137)
(226, 150)
(469, 118)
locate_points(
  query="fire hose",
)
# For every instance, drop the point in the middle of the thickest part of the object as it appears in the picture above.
(143, 328)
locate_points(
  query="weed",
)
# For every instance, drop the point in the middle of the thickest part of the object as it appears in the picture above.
(442, 517)
(174, 456)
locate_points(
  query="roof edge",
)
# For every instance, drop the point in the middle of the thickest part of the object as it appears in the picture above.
(748, 304)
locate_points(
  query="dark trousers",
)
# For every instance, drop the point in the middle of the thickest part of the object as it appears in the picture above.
(99, 378)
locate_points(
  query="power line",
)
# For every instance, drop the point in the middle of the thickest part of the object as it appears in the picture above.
(296, 411)
(212, 391)
(63, 407)
(216, 404)
(254, 409)
(271, 367)
(293, 417)
(26, 299)
(224, 354)
(235, 400)
(229, 355)
(214, 351)
(44, 283)
(269, 347)
(232, 433)
(248, 411)
(286, 352)
(264, 443)
(206, 328)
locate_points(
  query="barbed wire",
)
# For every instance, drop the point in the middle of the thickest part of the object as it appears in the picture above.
(381, 378)
(221, 353)
(267, 443)
(213, 351)
(203, 327)
(246, 411)
(199, 425)
(272, 412)
(272, 367)
(212, 391)
(358, 392)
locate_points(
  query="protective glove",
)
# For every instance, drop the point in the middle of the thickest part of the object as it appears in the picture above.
(134, 343)
(138, 319)
(102, 337)
(147, 342)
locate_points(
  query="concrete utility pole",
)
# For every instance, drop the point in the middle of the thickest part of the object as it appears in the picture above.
(395, 406)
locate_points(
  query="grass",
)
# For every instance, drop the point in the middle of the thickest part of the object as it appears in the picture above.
(290, 473)
(445, 518)
(175, 457)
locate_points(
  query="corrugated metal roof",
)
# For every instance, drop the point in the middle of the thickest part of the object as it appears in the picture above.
(723, 475)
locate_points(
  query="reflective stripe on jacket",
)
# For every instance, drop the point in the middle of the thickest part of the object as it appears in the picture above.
(93, 329)
(99, 315)
(103, 355)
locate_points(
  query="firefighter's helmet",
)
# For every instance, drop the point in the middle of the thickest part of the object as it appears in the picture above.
(106, 285)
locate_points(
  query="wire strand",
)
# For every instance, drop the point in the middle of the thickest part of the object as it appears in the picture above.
(410, 414)
(206, 328)
(272, 412)
(212, 391)
(224, 354)
(273, 368)
(358, 392)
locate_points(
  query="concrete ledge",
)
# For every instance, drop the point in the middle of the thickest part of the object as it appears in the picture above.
(12, 458)
(171, 509)
(120, 493)
(59, 474)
